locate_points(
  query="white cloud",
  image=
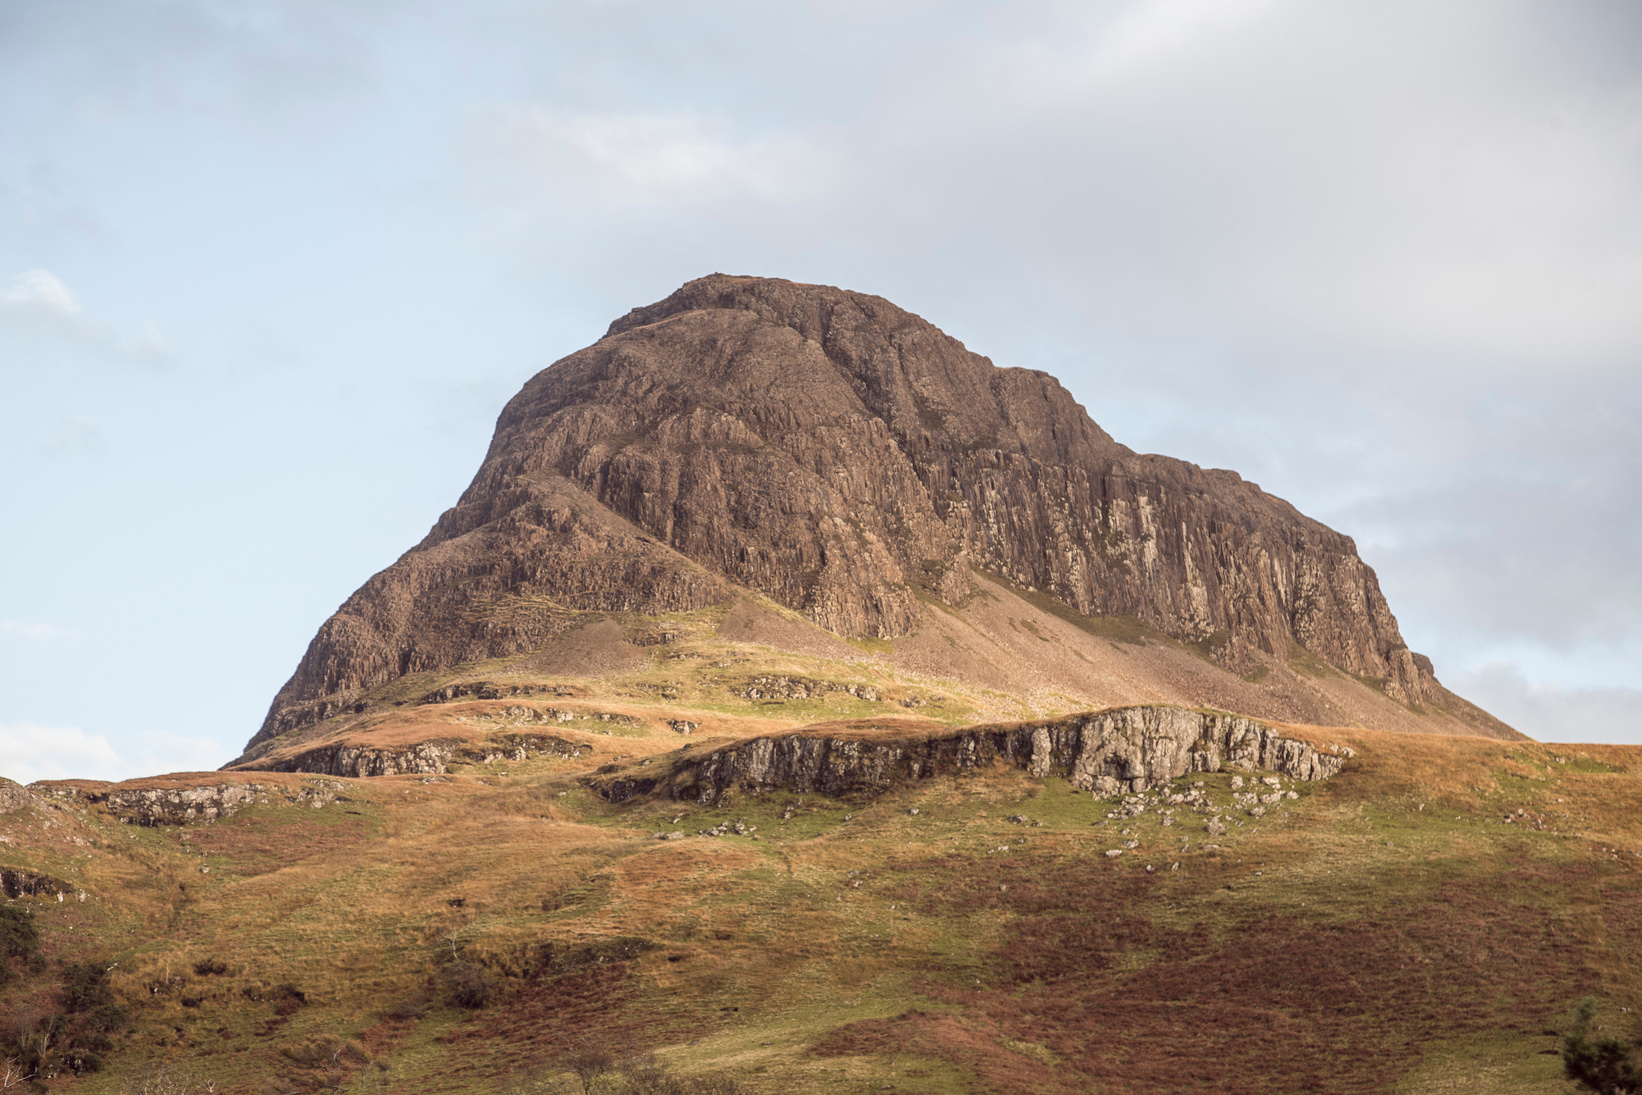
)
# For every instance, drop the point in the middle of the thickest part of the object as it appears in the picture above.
(41, 291)
(1548, 713)
(30, 751)
(39, 301)
(158, 751)
(1402, 176)
(35, 632)
(659, 156)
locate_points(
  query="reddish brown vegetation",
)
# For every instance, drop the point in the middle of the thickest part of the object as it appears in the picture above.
(1269, 1001)
(551, 1015)
(260, 844)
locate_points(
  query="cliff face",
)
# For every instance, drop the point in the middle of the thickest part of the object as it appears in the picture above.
(841, 456)
(1109, 752)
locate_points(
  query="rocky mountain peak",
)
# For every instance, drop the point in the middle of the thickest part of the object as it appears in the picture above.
(849, 461)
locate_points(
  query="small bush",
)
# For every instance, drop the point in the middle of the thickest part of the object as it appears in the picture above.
(210, 967)
(1607, 1066)
(286, 997)
(411, 1007)
(468, 984)
(81, 1060)
(587, 1063)
(106, 1020)
(85, 987)
(19, 939)
(28, 1040)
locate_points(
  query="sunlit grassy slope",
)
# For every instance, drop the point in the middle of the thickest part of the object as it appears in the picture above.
(1388, 930)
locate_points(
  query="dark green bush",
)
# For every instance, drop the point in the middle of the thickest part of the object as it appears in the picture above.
(1608, 1066)
(85, 987)
(468, 984)
(108, 1019)
(19, 939)
(80, 1060)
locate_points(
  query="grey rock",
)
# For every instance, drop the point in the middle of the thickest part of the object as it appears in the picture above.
(1135, 748)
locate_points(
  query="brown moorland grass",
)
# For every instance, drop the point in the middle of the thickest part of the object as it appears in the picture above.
(1264, 1001)
(1385, 926)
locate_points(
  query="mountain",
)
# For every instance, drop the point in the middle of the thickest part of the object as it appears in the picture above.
(797, 703)
(842, 459)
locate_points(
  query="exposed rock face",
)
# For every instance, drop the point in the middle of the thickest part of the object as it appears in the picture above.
(355, 761)
(15, 884)
(14, 796)
(1128, 749)
(839, 455)
(179, 805)
(182, 805)
(491, 579)
(423, 758)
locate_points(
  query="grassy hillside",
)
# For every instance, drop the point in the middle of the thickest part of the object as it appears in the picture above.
(1388, 930)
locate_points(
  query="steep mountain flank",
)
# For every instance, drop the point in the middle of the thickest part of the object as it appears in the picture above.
(848, 461)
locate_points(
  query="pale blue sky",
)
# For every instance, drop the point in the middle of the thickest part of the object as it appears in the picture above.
(269, 270)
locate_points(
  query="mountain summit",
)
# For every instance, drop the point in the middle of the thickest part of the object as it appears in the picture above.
(844, 460)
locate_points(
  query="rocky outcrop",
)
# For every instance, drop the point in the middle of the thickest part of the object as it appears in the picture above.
(493, 690)
(180, 804)
(357, 761)
(14, 796)
(433, 757)
(1107, 752)
(299, 715)
(18, 883)
(843, 457)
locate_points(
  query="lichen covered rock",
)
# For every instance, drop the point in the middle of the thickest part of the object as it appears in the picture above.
(1107, 752)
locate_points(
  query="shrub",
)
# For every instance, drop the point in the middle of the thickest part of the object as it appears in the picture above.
(85, 987)
(29, 1040)
(468, 984)
(286, 998)
(1608, 1066)
(106, 1019)
(411, 1007)
(19, 939)
(587, 1063)
(81, 1060)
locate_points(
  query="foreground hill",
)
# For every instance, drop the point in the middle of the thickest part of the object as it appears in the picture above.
(830, 460)
(1422, 920)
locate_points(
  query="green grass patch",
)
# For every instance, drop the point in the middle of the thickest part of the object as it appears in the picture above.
(1118, 629)
(1307, 664)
